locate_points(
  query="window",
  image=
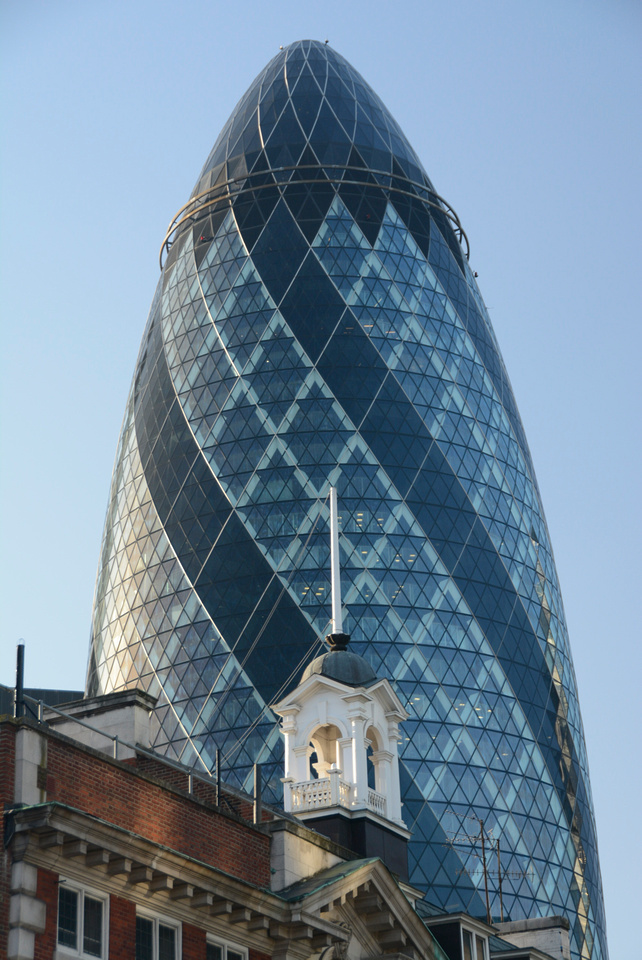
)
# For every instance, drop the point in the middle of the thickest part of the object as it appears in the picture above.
(82, 921)
(156, 939)
(218, 950)
(474, 946)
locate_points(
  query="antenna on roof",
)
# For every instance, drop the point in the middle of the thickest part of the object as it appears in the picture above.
(335, 572)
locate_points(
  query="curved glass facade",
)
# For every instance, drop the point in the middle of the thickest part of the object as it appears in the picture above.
(316, 322)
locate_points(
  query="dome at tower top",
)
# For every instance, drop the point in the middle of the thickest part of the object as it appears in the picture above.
(310, 128)
(309, 106)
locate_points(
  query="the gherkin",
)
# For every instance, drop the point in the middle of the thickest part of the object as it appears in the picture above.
(316, 322)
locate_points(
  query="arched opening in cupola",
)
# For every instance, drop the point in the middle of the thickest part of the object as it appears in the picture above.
(324, 751)
(376, 775)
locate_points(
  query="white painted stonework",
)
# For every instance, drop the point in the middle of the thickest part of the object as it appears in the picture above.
(339, 723)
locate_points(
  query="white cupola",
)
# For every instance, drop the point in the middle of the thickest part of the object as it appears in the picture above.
(349, 719)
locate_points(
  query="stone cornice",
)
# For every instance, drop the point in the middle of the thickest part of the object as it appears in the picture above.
(86, 849)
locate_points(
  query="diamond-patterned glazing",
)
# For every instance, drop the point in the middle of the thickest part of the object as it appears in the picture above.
(316, 322)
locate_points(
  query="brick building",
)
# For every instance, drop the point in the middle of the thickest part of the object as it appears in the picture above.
(113, 852)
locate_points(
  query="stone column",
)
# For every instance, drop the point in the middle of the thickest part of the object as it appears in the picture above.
(384, 777)
(301, 763)
(345, 759)
(394, 793)
(289, 729)
(359, 760)
(335, 789)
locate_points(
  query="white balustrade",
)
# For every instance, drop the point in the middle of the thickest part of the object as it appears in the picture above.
(345, 793)
(377, 803)
(311, 794)
(330, 792)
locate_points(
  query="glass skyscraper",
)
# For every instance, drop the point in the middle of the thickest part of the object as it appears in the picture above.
(316, 322)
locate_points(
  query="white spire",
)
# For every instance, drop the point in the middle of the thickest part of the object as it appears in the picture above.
(335, 572)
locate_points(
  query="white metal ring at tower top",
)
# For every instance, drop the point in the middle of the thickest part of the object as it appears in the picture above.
(229, 190)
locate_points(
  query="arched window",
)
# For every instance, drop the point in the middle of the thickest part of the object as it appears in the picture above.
(374, 743)
(372, 783)
(324, 744)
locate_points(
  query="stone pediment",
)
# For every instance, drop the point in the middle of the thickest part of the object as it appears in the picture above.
(363, 898)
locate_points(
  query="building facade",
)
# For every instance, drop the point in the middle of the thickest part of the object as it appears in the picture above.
(112, 852)
(316, 322)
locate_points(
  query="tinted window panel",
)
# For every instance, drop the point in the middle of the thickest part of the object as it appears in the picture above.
(144, 939)
(92, 941)
(67, 918)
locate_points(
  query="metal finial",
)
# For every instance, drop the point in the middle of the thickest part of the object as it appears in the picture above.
(335, 572)
(338, 641)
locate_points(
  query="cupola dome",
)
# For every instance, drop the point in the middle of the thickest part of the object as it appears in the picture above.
(341, 664)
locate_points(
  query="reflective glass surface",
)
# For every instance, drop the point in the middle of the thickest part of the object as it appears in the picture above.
(316, 322)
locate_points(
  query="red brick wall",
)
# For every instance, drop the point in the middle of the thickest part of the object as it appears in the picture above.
(163, 771)
(5, 875)
(193, 943)
(106, 790)
(202, 790)
(47, 891)
(7, 761)
(114, 794)
(122, 929)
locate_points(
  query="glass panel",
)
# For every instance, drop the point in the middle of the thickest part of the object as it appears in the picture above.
(234, 955)
(468, 944)
(144, 939)
(92, 941)
(214, 952)
(166, 942)
(481, 951)
(67, 918)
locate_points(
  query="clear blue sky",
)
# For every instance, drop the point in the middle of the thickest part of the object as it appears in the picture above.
(526, 115)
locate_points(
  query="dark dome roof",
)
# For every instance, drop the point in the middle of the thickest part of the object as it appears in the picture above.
(309, 105)
(341, 665)
(309, 130)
